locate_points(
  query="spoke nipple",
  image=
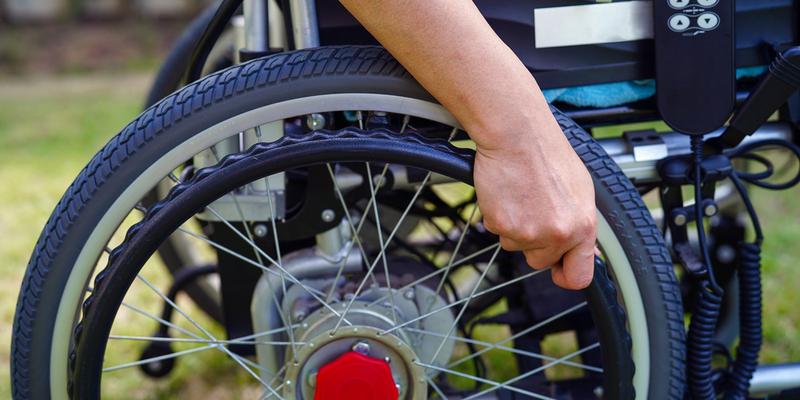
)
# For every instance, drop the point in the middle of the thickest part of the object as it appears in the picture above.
(361, 348)
(315, 121)
(328, 215)
(260, 230)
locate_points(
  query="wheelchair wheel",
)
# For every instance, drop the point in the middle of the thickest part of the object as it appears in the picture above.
(489, 329)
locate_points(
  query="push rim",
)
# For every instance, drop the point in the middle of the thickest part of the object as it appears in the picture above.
(333, 102)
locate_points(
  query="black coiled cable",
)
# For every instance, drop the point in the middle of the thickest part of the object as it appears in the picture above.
(707, 302)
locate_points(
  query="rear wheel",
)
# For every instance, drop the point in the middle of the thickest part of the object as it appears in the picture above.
(292, 92)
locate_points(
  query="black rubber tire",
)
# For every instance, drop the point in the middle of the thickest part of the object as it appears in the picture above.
(277, 78)
(168, 79)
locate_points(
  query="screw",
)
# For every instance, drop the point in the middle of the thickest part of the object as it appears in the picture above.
(328, 215)
(361, 348)
(598, 391)
(710, 210)
(387, 359)
(315, 121)
(260, 230)
(679, 219)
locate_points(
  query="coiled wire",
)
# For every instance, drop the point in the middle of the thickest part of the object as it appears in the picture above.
(709, 296)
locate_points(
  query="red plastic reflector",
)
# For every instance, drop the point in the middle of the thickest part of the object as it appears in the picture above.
(354, 376)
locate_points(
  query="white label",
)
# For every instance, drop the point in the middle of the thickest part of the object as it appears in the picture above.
(593, 23)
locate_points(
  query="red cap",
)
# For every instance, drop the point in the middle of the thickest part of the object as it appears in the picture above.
(354, 376)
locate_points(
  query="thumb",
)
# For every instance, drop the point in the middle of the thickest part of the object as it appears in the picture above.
(578, 267)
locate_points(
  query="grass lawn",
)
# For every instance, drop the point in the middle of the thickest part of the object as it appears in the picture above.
(50, 128)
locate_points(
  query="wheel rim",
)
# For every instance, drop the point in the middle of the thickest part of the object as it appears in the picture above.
(616, 256)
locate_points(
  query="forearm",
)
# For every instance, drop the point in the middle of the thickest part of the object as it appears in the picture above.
(487, 88)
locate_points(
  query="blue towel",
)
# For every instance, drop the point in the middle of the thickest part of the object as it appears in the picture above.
(618, 93)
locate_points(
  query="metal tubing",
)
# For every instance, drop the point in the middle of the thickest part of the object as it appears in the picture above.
(775, 378)
(304, 23)
(643, 172)
(256, 25)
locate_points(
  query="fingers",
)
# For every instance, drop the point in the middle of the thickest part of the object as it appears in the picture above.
(578, 267)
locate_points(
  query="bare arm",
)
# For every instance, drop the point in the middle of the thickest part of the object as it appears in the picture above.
(533, 190)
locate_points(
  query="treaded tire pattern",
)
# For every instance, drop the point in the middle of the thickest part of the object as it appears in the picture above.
(607, 173)
(53, 255)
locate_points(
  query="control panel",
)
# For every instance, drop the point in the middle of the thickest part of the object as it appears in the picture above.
(695, 69)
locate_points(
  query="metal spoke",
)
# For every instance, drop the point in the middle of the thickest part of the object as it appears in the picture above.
(519, 334)
(455, 303)
(159, 358)
(272, 261)
(383, 248)
(442, 270)
(504, 385)
(314, 293)
(355, 231)
(239, 361)
(486, 381)
(372, 190)
(466, 304)
(512, 350)
(453, 257)
(160, 320)
(240, 340)
(175, 306)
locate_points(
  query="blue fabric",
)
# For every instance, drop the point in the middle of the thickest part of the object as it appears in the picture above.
(618, 93)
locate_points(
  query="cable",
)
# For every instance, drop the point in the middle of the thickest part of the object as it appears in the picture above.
(708, 301)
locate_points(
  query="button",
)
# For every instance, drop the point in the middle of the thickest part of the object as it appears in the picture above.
(679, 22)
(708, 21)
(678, 4)
(707, 3)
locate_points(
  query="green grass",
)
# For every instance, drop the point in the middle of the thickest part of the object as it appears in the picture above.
(50, 129)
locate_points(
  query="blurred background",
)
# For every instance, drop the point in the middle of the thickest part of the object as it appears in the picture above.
(73, 72)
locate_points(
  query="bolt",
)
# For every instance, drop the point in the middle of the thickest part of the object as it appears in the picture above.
(260, 230)
(409, 295)
(315, 121)
(328, 215)
(679, 219)
(387, 359)
(361, 348)
(710, 210)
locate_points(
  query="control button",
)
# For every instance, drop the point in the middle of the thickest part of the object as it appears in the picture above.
(708, 21)
(707, 3)
(679, 22)
(678, 4)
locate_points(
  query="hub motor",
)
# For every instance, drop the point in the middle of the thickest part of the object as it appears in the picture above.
(375, 351)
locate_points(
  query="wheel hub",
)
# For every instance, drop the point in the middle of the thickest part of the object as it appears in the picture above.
(355, 362)
(356, 376)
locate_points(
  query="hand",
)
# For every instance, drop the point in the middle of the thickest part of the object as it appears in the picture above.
(535, 193)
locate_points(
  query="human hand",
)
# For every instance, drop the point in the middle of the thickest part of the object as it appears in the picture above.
(536, 194)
